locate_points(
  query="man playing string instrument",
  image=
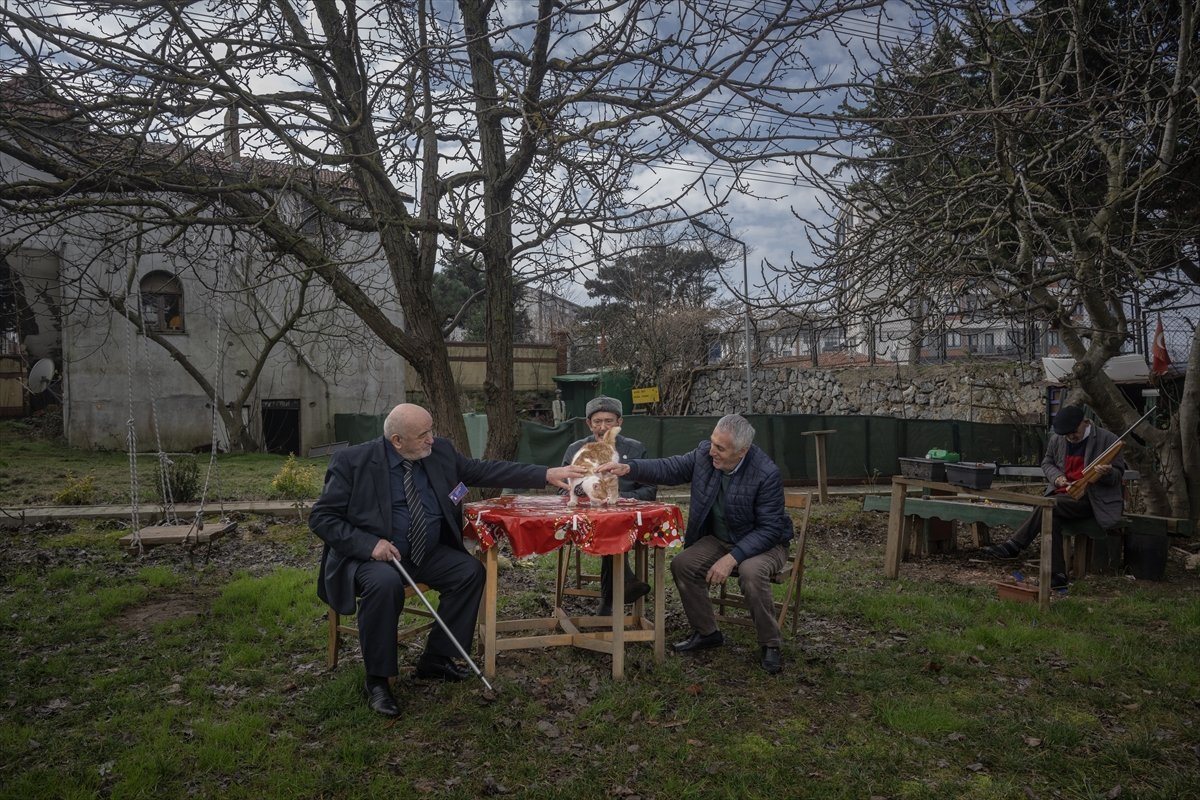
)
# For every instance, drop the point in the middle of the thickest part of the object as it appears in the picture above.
(1075, 444)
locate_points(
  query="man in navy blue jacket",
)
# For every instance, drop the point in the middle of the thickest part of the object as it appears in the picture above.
(736, 519)
(366, 519)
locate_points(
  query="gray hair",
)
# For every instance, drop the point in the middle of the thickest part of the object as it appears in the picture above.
(392, 426)
(739, 428)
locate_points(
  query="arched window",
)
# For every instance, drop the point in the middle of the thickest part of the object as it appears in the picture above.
(162, 302)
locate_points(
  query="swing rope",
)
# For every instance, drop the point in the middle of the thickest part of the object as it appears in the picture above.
(131, 437)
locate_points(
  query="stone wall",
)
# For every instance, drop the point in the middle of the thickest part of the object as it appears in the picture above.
(980, 392)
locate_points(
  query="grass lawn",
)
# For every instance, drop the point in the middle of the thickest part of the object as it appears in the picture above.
(33, 470)
(132, 679)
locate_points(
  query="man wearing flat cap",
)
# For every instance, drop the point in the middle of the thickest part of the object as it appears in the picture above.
(604, 413)
(1075, 444)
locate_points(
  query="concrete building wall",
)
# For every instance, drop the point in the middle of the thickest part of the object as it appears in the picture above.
(330, 364)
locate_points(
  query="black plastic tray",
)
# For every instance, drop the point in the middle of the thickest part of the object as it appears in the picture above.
(923, 469)
(972, 476)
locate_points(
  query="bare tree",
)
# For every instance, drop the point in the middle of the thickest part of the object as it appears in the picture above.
(518, 132)
(1039, 161)
(658, 316)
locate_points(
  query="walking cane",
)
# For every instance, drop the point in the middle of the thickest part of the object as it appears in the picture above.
(420, 594)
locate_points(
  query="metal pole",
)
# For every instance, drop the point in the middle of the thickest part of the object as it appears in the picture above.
(746, 289)
(459, 647)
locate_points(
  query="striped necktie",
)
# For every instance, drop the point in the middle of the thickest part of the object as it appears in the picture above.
(416, 516)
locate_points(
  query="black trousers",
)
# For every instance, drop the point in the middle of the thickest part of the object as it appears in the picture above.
(1068, 508)
(606, 576)
(455, 576)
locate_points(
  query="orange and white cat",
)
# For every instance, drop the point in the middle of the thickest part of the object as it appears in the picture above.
(601, 488)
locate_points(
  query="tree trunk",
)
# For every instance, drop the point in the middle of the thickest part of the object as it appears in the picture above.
(503, 429)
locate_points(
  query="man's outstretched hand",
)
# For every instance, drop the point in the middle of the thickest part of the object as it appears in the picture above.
(557, 476)
(615, 467)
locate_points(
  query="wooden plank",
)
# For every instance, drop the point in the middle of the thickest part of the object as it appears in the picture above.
(660, 613)
(534, 642)
(630, 636)
(963, 512)
(600, 646)
(156, 535)
(565, 621)
(891, 561)
(618, 623)
(800, 500)
(596, 622)
(980, 534)
(992, 494)
(509, 625)
(489, 612)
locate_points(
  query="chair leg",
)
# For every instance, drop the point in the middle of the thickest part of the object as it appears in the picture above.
(334, 621)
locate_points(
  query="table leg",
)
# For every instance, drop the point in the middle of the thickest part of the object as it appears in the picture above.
(1082, 542)
(660, 598)
(980, 534)
(489, 612)
(639, 570)
(618, 621)
(822, 473)
(1047, 558)
(560, 573)
(891, 561)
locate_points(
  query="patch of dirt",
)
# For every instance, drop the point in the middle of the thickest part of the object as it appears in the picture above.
(178, 605)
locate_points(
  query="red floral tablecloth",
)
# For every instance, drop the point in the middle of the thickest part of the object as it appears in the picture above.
(542, 524)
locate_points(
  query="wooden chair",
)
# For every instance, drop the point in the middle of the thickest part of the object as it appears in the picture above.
(792, 574)
(336, 627)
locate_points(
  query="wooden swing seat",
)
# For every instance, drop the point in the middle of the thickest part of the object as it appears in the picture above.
(156, 535)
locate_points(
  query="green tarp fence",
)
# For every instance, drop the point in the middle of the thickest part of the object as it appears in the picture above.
(864, 447)
(359, 428)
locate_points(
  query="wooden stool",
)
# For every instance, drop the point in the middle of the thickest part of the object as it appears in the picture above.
(792, 574)
(336, 627)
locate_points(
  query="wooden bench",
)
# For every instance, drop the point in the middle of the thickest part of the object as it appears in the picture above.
(981, 517)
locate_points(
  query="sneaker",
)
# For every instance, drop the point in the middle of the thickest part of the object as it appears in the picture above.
(1059, 582)
(1005, 551)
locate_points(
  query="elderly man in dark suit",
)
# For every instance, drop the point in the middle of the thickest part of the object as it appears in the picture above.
(604, 413)
(736, 519)
(400, 497)
(1075, 444)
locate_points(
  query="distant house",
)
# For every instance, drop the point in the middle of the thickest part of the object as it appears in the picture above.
(212, 296)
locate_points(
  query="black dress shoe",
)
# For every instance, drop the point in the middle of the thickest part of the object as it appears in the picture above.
(635, 589)
(604, 609)
(441, 669)
(1005, 551)
(698, 641)
(1059, 582)
(380, 700)
(771, 661)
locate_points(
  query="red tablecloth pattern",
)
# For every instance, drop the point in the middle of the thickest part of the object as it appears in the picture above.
(542, 524)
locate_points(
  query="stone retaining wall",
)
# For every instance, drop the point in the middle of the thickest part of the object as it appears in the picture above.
(990, 392)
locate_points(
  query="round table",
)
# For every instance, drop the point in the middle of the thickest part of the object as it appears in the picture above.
(544, 524)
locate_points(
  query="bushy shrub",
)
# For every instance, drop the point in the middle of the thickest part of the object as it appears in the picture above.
(77, 491)
(184, 474)
(296, 481)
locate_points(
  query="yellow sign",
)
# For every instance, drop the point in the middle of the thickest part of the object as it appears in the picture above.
(641, 396)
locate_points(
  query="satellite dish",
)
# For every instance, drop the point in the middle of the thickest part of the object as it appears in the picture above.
(41, 375)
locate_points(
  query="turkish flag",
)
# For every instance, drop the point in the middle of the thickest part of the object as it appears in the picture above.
(1159, 350)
